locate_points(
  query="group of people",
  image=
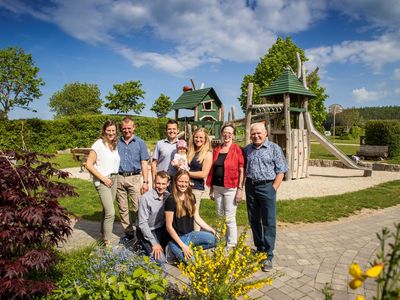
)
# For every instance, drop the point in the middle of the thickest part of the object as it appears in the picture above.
(167, 214)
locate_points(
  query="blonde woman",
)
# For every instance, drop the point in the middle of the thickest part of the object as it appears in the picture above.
(181, 214)
(103, 163)
(200, 161)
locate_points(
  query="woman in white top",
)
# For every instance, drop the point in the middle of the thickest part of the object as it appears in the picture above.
(103, 164)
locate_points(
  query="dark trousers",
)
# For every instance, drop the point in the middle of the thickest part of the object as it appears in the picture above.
(161, 236)
(261, 210)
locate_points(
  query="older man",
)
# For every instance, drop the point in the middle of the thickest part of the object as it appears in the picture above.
(134, 162)
(265, 168)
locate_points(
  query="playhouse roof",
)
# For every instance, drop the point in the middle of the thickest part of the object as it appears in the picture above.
(287, 83)
(190, 99)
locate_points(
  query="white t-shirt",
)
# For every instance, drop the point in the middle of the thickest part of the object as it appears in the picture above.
(107, 161)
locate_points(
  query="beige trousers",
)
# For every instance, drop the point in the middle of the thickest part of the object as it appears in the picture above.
(107, 197)
(128, 193)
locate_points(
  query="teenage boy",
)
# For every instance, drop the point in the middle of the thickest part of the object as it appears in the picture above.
(151, 232)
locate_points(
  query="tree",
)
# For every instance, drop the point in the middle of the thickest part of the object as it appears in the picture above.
(76, 99)
(162, 106)
(270, 67)
(19, 84)
(349, 117)
(126, 97)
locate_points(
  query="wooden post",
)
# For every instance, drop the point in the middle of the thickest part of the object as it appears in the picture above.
(221, 113)
(176, 114)
(268, 122)
(288, 129)
(299, 64)
(304, 77)
(308, 141)
(196, 113)
(248, 112)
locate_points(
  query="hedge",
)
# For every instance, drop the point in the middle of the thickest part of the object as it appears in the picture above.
(384, 132)
(48, 136)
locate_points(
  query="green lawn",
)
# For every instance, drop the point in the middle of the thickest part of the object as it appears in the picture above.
(64, 160)
(321, 209)
(319, 152)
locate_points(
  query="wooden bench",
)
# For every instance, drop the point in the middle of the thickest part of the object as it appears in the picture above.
(373, 151)
(80, 154)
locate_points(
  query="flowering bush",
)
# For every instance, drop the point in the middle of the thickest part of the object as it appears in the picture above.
(386, 268)
(114, 273)
(223, 273)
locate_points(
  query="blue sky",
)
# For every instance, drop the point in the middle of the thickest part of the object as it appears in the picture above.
(355, 43)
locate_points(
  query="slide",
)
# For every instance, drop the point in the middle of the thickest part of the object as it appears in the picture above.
(332, 148)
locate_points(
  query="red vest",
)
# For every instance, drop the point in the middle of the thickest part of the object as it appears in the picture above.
(233, 161)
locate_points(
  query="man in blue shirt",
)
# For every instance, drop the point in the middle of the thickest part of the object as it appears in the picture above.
(134, 162)
(265, 168)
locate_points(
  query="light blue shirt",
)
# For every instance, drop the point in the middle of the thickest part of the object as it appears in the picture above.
(151, 214)
(164, 152)
(132, 154)
(265, 162)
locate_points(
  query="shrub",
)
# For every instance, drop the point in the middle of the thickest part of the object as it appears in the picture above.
(48, 136)
(31, 223)
(223, 273)
(117, 273)
(384, 133)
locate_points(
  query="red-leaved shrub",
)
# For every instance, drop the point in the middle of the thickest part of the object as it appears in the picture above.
(32, 223)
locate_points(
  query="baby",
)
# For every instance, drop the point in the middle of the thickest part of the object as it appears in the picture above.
(180, 159)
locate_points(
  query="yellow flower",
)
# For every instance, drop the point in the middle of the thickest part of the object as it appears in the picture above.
(359, 297)
(374, 271)
(359, 277)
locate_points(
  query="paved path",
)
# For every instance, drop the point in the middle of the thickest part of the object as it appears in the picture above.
(308, 255)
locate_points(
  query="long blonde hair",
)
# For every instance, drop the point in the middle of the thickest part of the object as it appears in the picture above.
(203, 150)
(188, 205)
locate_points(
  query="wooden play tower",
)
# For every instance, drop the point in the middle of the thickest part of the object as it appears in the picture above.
(284, 106)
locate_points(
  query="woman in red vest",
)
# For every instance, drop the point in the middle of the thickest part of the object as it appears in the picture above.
(226, 179)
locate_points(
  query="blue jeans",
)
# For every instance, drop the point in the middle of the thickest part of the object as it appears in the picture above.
(261, 210)
(197, 238)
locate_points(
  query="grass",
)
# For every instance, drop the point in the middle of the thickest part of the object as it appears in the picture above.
(87, 205)
(319, 152)
(306, 210)
(64, 160)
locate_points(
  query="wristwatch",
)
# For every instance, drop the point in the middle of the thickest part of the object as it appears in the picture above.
(145, 181)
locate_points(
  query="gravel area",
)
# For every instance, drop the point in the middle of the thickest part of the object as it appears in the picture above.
(321, 182)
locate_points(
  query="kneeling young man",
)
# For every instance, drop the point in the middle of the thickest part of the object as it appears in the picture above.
(151, 231)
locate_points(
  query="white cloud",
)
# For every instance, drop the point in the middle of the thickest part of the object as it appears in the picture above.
(379, 13)
(373, 53)
(362, 95)
(196, 32)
